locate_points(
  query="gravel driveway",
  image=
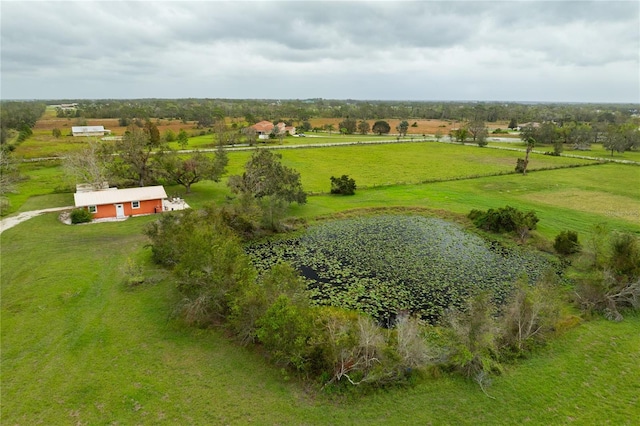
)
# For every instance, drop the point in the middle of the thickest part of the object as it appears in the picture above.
(10, 222)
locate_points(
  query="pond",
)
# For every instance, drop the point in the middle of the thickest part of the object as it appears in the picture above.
(384, 265)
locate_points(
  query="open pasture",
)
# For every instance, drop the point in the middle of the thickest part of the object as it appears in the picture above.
(539, 191)
(597, 151)
(391, 164)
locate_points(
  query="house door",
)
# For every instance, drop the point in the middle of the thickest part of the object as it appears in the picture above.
(119, 210)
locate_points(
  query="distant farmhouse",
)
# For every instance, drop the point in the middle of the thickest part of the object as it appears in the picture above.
(89, 131)
(65, 107)
(265, 128)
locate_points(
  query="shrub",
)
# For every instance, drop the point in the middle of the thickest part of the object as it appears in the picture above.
(285, 331)
(133, 273)
(608, 295)
(255, 298)
(166, 235)
(211, 271)
(81, 216)
(343, 185)
(530, 315)
(566, 243)
(505, 219)
(472, 338)
(625, 255)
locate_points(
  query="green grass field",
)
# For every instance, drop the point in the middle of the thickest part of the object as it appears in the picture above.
(78, 347)
(596, 151)
(370, 165)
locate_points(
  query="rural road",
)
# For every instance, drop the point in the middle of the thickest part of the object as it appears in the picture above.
(10, 222)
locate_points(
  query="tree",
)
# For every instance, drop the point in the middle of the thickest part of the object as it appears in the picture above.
(512, 124)
(329, 128)
(183, 139)
(304, 127)
(478, 132)
(363, 127)
(251, 135)
(169, 136)
(349, 125)
(223, 135)
(403, 127)
(273, 185)
(460, 135)
(343, 185)
(90, 165)
(152, 132)
(621, 138)
(381, 127)
(521, 165)
(135, 150)
(266, 176)
(211, 268)
(198, 166)
(56, 133)
(9, 176)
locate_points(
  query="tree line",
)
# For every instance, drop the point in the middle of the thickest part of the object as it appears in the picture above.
(205, 111)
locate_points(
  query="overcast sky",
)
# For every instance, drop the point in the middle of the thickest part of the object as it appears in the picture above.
(452, 50)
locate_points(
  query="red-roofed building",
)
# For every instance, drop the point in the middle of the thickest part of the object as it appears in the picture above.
(265, 128)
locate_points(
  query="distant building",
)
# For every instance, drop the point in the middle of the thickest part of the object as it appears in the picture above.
(265, 128)
(89, 131)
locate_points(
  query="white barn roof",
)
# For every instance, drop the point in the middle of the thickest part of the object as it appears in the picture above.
(87, 129)
(114, 196)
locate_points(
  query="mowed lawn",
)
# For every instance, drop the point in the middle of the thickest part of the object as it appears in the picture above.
(78, 347)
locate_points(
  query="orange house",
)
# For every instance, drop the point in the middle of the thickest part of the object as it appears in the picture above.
(120, 203)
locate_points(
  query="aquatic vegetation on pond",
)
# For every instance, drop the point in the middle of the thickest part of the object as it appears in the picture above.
(384, 265)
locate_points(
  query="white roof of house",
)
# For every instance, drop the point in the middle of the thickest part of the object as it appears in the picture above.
(87, 129)
(114, 196)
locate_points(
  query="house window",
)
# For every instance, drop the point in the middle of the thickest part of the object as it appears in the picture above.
(93, 209)
(135, 204)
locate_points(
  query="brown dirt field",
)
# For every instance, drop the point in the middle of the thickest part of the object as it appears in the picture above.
(425, 126)
(48, 123)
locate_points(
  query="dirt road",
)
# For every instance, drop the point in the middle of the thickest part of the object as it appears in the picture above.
(10, 222)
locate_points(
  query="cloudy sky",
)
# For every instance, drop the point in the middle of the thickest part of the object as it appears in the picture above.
(545, 51)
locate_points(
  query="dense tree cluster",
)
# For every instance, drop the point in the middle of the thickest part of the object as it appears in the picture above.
(206, 111)
(18, 116)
